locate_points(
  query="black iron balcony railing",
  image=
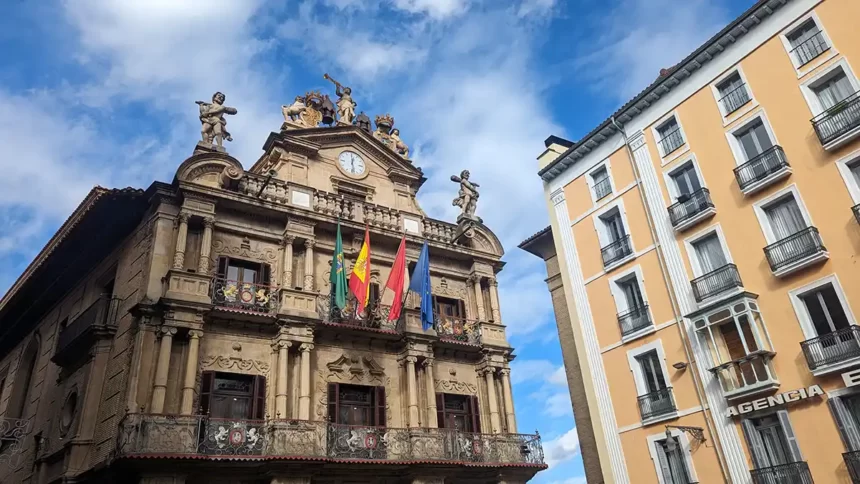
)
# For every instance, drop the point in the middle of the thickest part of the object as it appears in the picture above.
(688, 206)
(634, 320)
(248, 296)
(715, 282)
(809, 49)
(794, 248)
(656, 404)
(735, 99)
(852, 462)
(746, 373)
(602, 188)
(374, 315)
(760, 167)
(616, 251)
(832, 348)
(856, 210)
(793, 473)
(671, 141)
(101, 316)
(458, 329)
(13, 433)
(838, 120)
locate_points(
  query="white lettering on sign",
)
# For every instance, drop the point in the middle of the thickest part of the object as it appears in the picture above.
(851, 378)
(790, 396)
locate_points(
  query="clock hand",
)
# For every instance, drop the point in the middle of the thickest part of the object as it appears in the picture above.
(353, 165)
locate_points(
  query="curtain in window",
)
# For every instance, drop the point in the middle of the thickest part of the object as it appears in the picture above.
(710, 254)
(686, 180)
(802, 34)
(785, 218)
(834, 90)
(672, 465)
(754, 140)
(730, 85)
(652, 371)
(845, 412)
(614, 227)
(632, 294)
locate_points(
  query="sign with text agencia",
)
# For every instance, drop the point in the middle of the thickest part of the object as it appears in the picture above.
(791, 396)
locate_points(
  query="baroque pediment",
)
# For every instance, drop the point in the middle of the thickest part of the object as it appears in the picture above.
(356, 367)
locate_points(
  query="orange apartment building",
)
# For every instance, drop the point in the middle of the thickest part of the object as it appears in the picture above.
(708, 236)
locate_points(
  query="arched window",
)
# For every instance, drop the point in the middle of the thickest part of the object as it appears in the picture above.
(23, 378)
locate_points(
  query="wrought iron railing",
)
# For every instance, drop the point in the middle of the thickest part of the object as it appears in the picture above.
(688, 206)
(458, 329)
(671, 141)
(792, 473)
(656, 404)
(715, 282)
(634, 320)
(794, 248)
(602, 188)
(760, 167)
(809, 49)
(616, 250)
(13, 431)
(144, 434)
(373, 316)
(852, 462)
(100, 314)
(832, 348)
(743, 373)
(843, 117)
(247, 296)
(734, 99)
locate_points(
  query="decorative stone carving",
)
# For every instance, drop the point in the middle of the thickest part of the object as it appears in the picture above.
(352, 368)
(345, 104)
(454, 289)
(294, 111)
(454, 386)
(467, 197)
(363, 122)
(255, 367)
(212, 119)
(397, 144)
(245, 251)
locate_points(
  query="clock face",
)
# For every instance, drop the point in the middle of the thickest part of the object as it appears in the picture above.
(351, 163)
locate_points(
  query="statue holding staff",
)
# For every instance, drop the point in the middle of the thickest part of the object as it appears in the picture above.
(345, 105)
(467, 198)
(212, 119)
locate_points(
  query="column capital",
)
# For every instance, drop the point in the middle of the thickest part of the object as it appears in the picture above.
(309, 243)
(505, 371)
(277, 345)
(165, 330)
(288, 239)
(493, 281)
(208, 222)
(195, 334)
(474, 277)
(427, 363)
(411, 359)
(306, 347)
(183, 217)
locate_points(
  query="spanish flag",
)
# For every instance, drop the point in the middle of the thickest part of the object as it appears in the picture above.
(359, 280)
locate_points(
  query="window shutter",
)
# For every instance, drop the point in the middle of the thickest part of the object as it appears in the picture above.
(440, 410)
(847, 427)
(223, 262)
(207, 383)
(756, 446)
(258, 405)
(663, 463)
(789, 435)
(380, 407)
(265, 275)
(475, 411)
(461, 309)
(333, 402)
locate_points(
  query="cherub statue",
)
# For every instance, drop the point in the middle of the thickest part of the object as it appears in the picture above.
(345, 104)
(467, 197)
(397, 144)
(212, 118)
(294, 111)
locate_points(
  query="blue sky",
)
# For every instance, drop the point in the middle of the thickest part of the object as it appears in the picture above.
(102, 92)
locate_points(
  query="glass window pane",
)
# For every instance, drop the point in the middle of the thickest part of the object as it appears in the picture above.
(785, 218)
(710, 254)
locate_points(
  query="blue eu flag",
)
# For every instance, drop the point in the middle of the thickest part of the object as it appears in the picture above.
(420, 283)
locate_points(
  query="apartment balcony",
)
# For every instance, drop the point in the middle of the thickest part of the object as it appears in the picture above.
(373, 318)
(691, 209)
(13, 434)
(796, 252)
(840, 123)
(793, 473)
(244, 296)
(762, 171)
(616, 251)
(602, 188)
(852, 462)
(460, 330)
(833, 352)
(97, 321)
(735, 99)
(749, 375)
(199, 437)
(634, 322)
(806, 51)
(657, 406)
(856, 210)
(716, 282)
(672, 141)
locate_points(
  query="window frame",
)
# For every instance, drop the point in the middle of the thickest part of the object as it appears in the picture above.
(807, 87)
(760, 208)
(802, 313)
(804, 69)
(671, 186)
(681, 150)
(600, 225)
(692, 255)
(753, 103)
(684, 442)
(591, 182)
(852, 184)
(635, 367)
(734, 142)
(634, 272)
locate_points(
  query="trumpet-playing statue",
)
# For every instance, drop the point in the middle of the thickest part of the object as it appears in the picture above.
(467, 197)
(345, 105)
(212, 118)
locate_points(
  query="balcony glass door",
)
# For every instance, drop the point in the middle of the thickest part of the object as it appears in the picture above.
(709, 253)
(833, 91)
(686, 180)
(754, 140)
(833, 343)
(785, 218)
(671, 462)
(772, 442)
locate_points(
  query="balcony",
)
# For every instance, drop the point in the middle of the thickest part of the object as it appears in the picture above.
(735, 99)
(840, 123)
(199, 436)
(634, 321)
(795, 252)
(658, 405)
(832, 352)
(793, 473)
(716, 282)
(374, 317)
(763, 170)
(852, 462)
(671, 141)
(458, 329)
(856, 210)
(244, 296)
(809, 49)
(749, 375)
(602, 188)
(691, 209)
(97, 321)
(13, 433)
(616, 251)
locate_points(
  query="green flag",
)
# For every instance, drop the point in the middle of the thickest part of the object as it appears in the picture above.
(338, 276)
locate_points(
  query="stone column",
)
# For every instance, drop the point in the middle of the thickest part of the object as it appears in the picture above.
(432, 421)
(495, 310)
(479, 298)
(205, 246)
(282, 347)
(305, 384)
(190, 381)
(159, 386)
(412, 390)
(309, 266)
(181, 237)
(510, 416)
(287, 277)
(491, 398)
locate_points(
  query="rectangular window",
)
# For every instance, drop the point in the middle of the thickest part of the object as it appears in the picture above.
(733, 93)
(356, 405)
(806, 42)
(833, 90)
(233, 396)
(614, 226)
(671, 461)
(846, 412)
(686, 180)
(854, 168)
(652, 372)
(458, 412)
(670, 136)
(709, 253)
(632, 294)
(601, 184)
(771, 440)
(784, 218)
(825, 310)
(754, 140)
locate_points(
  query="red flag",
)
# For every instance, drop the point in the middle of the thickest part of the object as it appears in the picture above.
(395, 281)
(359, 280)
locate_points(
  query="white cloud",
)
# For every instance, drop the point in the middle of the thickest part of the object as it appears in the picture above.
(572, 480)
(536, 371)
(561, 449)
(558, 377)
(535, 7)
(557, 404)
(436, 9)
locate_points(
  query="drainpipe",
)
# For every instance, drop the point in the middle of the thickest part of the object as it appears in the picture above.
(699, 385)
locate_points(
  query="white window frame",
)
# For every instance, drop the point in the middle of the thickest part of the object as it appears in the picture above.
(850, 182)
(589, 179)
(691, 250)
(636, 368)
(684, 441)
(682, 150)
(600, 227)
(760, 206)
(728, 118)
(827, 55)
(803, 314)
(806, 87)
(671, 187)
(618, 294)
(734, 143)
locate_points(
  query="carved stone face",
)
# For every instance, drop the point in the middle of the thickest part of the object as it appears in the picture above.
(218, 98)
(395, 132)
(347, 90)
(464, 174)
